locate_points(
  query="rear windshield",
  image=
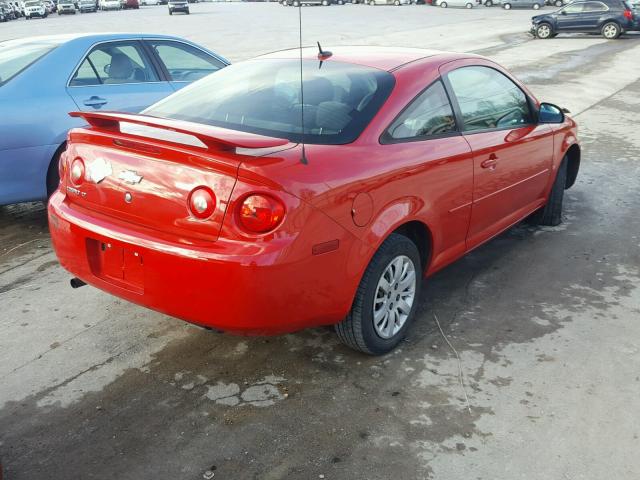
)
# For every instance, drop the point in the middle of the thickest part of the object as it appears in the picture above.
(264, 97)
(16, 55)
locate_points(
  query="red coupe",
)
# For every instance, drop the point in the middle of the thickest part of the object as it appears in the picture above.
(251, 205)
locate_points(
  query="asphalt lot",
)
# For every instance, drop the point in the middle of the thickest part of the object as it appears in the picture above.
(545, 320)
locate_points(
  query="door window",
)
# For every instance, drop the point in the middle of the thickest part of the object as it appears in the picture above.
(488, 99)
(429, 114)
(184, 62)
(574, 8)
(114, 63)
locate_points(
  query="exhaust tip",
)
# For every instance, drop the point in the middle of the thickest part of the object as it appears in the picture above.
(76, 283)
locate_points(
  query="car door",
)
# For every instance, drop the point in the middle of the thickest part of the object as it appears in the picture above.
(117, 76)
(512, 154)
(442, 174)
(569, 18)
(591, 14)
(183, 63)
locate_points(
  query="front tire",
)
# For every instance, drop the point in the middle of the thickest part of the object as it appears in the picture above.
(443, 4)
(543, 31)
(551, 213)
(386, 300)
(536, 6)
(469, 5)
(611, 30)
(507, 6)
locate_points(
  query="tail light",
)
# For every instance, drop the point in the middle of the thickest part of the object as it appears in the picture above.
(260, 213)
(202, 202)
(62, 165)
(628, 14)
(76, 172)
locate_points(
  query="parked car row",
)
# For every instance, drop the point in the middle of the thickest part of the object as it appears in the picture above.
(12, 10)
(506, 4)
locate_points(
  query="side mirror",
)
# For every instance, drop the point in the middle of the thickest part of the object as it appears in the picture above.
(550, 113)
(106, 68)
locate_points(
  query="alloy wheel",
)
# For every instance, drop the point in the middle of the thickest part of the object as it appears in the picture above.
(610, 31)
(394, 297)
(543, 31)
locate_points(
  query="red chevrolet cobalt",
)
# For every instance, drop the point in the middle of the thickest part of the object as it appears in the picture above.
(251, 205)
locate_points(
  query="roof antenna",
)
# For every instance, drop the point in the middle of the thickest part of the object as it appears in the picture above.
(303, 157)
(323, 55)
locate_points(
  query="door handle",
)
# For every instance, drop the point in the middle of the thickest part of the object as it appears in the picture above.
(95, 101)
(490, 162)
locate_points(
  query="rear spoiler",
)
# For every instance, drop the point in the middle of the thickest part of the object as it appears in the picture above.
(215, 138)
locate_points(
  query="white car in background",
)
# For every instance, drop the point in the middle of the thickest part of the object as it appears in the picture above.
(110, 5)
(150, 2)
(34, 9)
(455, 3)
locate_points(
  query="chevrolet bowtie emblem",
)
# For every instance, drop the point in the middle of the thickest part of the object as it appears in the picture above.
(98, 170)
(130, 176)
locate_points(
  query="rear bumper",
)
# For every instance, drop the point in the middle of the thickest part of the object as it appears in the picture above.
(232, 286)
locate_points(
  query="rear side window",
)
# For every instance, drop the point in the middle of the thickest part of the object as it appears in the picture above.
(594, 7)
(184, 62)
(428, 115)
(488, 99)
(16, 56)
(263, 96)
(114, 63)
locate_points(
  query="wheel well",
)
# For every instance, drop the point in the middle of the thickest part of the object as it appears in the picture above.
(573, 165)
(420, 235)
(52, 170)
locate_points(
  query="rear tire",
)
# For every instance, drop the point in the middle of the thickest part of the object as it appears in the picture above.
(394, 268)
(611, 30)
(507, 6)
(551, 213)
(443, 4)
(469, 5)
(536, 6)
(488, 3)
(559, 3)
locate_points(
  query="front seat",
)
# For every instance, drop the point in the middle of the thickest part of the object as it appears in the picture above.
(120, 70)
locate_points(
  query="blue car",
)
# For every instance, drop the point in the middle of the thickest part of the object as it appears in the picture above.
(44, 78)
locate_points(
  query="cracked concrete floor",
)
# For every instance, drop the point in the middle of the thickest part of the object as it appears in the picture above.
(546, 320)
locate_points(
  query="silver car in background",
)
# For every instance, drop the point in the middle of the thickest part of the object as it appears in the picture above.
(455, 3)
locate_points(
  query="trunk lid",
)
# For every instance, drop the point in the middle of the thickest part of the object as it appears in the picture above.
(144, 178)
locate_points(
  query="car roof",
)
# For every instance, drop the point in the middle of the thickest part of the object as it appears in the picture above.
(88, 37)
(383, 58)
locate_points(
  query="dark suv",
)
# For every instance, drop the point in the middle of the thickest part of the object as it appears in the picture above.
(610, 18)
